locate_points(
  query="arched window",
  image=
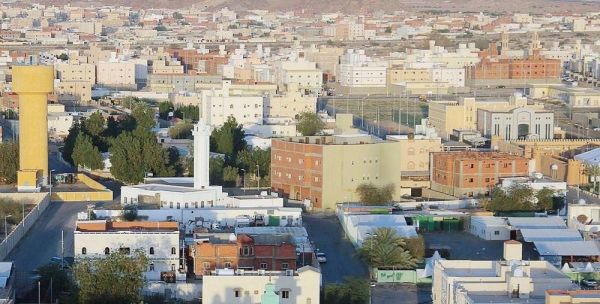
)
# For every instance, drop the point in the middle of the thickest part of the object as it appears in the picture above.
(83, 250)
(106, 250)
(411, 165)
(151, 250)
(411, 151)
(173, 250)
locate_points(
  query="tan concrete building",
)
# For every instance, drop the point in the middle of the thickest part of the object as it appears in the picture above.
(73, 91)
(302, 286)
(572, 296)
(120, 73)
(574, 96)
(470, 282)
(414, 164)
(289, 104)
(447, 116)
(75, 72)
(397, 75)
(327, 170)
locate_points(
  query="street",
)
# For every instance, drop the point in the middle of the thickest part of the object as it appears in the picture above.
(327, 234)
(43, 241)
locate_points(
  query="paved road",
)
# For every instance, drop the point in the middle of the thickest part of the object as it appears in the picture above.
(327, 234)
(44, 239)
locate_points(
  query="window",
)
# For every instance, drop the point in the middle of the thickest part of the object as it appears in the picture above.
(206, 265)
(106, 251)
(151, 250)
(285, 294)
(237, 293)
(152, 267)
(496, 232)
(263, 265)
(83, 250)
(173, 250)
(178, 205)
(173, 267)
(246, 250)
(227, 264)
(470, 180)
(285, 265)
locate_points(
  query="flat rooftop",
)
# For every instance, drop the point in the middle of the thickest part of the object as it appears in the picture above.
(105, 226)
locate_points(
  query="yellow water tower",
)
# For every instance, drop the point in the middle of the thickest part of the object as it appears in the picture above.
(33, 84)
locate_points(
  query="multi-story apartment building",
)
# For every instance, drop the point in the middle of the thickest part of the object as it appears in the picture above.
(398, 75)
(247, 252)
(327, 170)
(75, 72)
(159, 240)
(288, 104)
(517, 123)
(356, 70)
(73, 91)
(471, 173)
(218, 105)
(116, 73)
(304, 74)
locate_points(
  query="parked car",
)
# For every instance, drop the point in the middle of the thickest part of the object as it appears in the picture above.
(321, 258)
(589, 282)
(501, 87)
(65, 263)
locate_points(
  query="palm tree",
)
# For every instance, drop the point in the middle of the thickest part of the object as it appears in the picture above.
(385, 248)
(593, 171)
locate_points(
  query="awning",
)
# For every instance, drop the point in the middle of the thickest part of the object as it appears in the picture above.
(580, 248)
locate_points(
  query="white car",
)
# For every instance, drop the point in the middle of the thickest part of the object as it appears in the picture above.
(589, 282)
(321, 258)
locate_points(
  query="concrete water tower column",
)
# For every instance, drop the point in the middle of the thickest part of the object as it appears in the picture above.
(33, 84)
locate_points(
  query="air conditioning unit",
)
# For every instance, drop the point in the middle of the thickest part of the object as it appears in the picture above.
(261, 272)
(289, 272)
(240, 272)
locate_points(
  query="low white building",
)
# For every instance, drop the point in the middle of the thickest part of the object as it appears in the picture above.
(489, 228)
(159, 240)
(359, 226)
(224, 286)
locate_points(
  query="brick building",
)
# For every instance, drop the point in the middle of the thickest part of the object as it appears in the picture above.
(263, 251)
(471, 173)
(202, 62)
(327, 170)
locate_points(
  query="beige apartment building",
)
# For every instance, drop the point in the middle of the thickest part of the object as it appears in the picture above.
(73, 91)
(572, 296)
(398, 75)
(326, 58)
(121, 73)
(415, 161)
(75, 72)
(446, 116)
(289, 104)
(327, 170)
(165, 67)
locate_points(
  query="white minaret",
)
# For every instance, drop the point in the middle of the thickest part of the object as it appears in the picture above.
(201, 154)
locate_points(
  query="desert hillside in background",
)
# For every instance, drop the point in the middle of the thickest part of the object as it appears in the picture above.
(352, 6)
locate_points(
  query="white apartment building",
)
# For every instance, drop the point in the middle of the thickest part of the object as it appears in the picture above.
(59, 124)
(358, 70)
(75, 72)
(304, 74)
(218, 105)
(159, 240)
(454, 77)
(224, 286)
(116, 72)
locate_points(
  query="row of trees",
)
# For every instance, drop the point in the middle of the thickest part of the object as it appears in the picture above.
(385, 248)
(521, 197)
(9, 162)
(371, 195)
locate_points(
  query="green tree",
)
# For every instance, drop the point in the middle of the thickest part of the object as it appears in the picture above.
(130, 213)
(228, 140)
(215, 170)
(164, 108)
(388, 29)
(518, 197)
(94, 125)
(545, 199)
(117, 278)
(416, 247)
(189, 112)
(593, 173)
(309, 124)
(9, 162)
(129, 101)
(161, 28)
(69, 146)
(86, 155)
(329, 42)
(248, 159)
(177, 15)
(181, 131)
(63, 57)
(176, 162)
(354, 290)
(52, 274)
(143, 116)
(230, 175)
(371, 195)
(385, 248)
(133, 154)
(112, 128)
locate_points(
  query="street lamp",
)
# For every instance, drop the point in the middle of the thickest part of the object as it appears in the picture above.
(258, 177)
(50, 184)
(6, 226)
(244, 180)
(373, 235)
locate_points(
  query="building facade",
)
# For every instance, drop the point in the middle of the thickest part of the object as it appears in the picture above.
(159, 240)
(246, 252)
(471, 173)
(518, 123)
(327, 170)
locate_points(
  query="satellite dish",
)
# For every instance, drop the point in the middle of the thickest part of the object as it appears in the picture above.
(496, 148)
(582, 218)
(232, 237)
(518, 273)
(554, 167)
